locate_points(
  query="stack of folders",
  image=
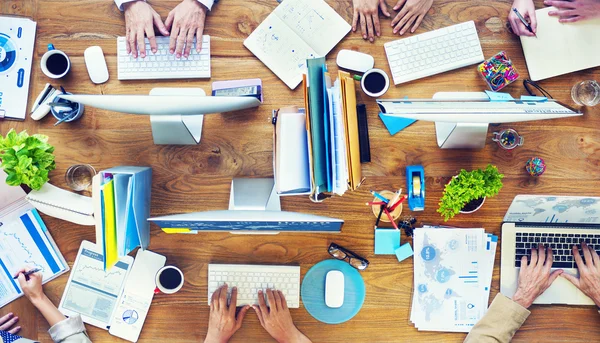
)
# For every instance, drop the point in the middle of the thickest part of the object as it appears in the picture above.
(122, 196)
(452, 277)
(317, 149)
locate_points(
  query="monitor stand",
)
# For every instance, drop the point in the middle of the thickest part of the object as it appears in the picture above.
(177, 129)
(461, 135)
(254, 195)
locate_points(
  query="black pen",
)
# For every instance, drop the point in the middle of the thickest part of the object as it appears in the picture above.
(379, 216)
(26, 274)
(527, 25)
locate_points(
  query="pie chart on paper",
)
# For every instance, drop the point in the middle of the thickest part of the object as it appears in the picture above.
(8, 53)
(130, 317)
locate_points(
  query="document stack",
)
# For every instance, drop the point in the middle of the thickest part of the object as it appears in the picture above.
(452, 277)
(122, 196)
(328, 161)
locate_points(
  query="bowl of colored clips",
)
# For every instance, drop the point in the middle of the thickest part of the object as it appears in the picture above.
(498, 71)
(508, 139)
(395, 213)
(65, 110)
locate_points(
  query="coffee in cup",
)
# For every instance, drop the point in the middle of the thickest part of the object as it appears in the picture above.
(375, 82)
(169, 280)
(55, 63)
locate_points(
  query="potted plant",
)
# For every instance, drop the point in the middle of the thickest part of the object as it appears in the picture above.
(26, 159)
(467, 191)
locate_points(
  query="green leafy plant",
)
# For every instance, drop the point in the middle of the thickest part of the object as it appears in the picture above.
(469, 186)
(26, 159)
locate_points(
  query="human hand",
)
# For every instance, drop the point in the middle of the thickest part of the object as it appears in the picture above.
(7, 322)
(277, 319)
(31, 285)
(527, 10)
(589, 272)
(367, 12)
(574, 10)
(413, 12)
(139, 20)
(535, 277)
(223, 323)
(185, 21)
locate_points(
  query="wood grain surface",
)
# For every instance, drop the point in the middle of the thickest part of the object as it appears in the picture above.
(197, 178)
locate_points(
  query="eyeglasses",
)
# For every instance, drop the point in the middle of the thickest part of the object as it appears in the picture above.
(528, 83)
(342, 253)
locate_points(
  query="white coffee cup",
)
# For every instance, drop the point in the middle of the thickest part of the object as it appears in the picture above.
(50, 69)
(375, 82)
(166, 285)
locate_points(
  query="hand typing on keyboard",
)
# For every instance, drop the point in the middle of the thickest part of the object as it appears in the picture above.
(535, 276)
(276, 318)
(185, 21)
(223, 321)
(589, 272)
(140, 19)
(412, 14)
(366, 12)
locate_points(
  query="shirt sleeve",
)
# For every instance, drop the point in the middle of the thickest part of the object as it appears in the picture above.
(120, 3)
(500, 323)
(207, 3)
(69, 330)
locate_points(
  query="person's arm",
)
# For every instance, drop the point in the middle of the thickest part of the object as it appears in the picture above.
(62, 329)
(574, 10)
(504, 317)
(411, 15)
(527, 9)
(366, 12)
(589, 273)
(140, 19)
(276, 318)
(223, 322)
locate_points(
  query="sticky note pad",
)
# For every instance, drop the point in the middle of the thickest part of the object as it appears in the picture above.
(395, 124)
(386, 241)
(404, 252)
(496, 96)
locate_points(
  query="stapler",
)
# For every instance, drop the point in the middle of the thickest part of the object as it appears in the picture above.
(40, 106)
(415, 183)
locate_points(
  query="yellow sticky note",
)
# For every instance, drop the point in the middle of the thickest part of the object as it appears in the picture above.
(177, 230)
(111, 253)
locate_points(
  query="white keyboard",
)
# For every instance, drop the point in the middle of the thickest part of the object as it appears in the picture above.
(250, 278)
(163, 65)
(434, 52)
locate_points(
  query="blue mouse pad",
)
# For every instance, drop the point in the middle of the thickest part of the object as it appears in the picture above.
(313, 292)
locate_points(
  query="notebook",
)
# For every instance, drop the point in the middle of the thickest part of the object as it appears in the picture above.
(556, 43)
(293, 33)
(62, 204)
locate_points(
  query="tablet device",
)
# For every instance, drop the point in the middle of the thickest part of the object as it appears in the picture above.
(91, 292)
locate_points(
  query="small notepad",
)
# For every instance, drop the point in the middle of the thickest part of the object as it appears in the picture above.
(386, 241)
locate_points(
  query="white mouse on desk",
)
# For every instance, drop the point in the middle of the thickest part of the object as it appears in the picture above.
(334, 289)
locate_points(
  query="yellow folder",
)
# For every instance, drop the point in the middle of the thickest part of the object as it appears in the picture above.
(111, 253)
(351, 122)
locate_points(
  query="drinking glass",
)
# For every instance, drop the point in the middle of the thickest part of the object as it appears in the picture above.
(586, 93)
(79, 176)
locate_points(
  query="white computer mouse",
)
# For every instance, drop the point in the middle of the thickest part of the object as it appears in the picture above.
(334, 289)
(354, 60)
(96, 64)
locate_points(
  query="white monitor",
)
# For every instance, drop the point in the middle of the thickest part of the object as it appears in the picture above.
(462, 119)
(254, 208)
(176, 114)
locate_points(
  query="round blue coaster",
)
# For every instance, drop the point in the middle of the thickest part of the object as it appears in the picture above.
(313, 292)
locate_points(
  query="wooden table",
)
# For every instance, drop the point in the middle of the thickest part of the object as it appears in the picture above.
(197, 178)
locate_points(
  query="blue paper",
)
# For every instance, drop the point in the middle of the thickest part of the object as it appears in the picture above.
(496, 96)
(404, 252)
(395, 124)
(386, 241)
(533, 98)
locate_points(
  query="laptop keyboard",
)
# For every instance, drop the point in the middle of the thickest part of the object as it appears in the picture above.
(561, 244)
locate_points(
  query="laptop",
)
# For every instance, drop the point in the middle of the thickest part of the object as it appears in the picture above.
(556, 43)
(556, 221)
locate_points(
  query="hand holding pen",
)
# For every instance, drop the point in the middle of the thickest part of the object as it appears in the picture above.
(520, 12)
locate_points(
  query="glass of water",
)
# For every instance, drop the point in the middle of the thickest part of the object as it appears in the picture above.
(586, 93)
(79, 176)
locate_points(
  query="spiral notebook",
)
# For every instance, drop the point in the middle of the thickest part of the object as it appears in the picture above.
(63, 204)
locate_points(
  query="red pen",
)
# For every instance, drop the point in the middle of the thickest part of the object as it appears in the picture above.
(373, 203)
(398, 202)
(390, 218)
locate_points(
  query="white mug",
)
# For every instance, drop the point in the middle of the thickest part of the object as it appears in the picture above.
(50, 70)
(382, 82)
(168, 289)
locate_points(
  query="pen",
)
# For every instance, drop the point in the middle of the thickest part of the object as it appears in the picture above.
(379, 216)
(380, 197)
(373, 203)
(26, 274)
(394, 199)
(523, 21)
(387, 213)
(398, 202)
